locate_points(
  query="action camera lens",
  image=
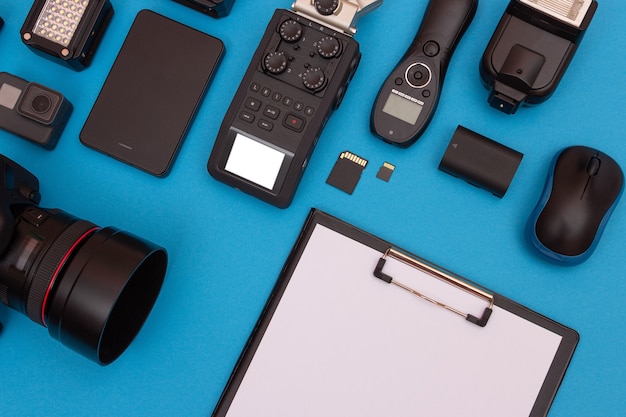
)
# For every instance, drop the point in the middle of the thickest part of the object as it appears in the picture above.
(41, 103)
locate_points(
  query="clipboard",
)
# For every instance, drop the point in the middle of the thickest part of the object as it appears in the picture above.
(338, 338)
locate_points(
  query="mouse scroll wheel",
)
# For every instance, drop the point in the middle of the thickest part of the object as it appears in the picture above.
(593, 166)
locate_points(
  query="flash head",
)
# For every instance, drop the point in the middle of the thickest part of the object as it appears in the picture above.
(67, 31)
(531, 48)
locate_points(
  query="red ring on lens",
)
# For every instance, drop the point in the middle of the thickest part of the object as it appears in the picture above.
(60, 267)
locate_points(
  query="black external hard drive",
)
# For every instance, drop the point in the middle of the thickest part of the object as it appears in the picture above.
(152, 92)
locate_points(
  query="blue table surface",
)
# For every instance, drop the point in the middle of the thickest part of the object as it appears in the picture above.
(226, 248)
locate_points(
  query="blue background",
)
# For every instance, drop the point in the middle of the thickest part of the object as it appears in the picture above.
(226, 248)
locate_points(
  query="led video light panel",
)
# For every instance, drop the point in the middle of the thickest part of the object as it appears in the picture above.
(59, 19)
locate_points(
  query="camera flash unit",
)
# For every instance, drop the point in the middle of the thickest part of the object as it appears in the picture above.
(69, 31)
(531, 48)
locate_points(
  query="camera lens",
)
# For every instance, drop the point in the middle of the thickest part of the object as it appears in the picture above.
(92, 287)
(41, 103)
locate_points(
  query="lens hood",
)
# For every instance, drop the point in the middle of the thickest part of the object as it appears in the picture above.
(106, 294)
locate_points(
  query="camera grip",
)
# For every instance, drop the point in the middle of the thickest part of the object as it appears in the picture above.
(17, 187)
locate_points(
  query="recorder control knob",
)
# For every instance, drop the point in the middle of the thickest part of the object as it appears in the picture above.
(328, 47)
(326, 7)
(314, 78)
(275, 62)
(290, 31)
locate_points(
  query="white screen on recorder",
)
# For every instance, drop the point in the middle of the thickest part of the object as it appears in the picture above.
(254, 161)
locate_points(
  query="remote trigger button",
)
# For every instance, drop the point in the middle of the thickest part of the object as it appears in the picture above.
(431, 48)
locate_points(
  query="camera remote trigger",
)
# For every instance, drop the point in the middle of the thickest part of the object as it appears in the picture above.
(409, 96)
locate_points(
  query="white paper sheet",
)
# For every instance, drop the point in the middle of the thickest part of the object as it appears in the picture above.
(344, 343)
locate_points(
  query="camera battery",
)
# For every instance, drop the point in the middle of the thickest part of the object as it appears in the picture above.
(480, 161)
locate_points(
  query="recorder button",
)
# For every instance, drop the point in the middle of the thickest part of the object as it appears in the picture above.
(290, 31)
(431, 48)
(266, 125)
(339, 98)
(252, 103)
(271, 112)
(293, 122)
(246, 117)
(255, 87)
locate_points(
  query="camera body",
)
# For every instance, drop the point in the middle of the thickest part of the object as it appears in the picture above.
(295, 81)
(32, 111)
(91, 287)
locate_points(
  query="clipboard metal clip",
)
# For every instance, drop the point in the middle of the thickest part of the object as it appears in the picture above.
(440, 274)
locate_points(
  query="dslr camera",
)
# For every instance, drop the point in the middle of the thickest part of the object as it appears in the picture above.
(92, 287)
(32, 111)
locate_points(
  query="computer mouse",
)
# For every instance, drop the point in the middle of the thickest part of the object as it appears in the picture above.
(581, 191)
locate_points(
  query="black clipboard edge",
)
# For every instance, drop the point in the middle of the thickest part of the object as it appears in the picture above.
(546, 394)
(562, 358)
